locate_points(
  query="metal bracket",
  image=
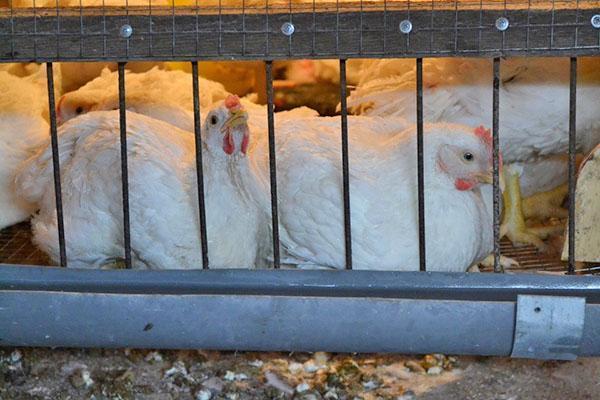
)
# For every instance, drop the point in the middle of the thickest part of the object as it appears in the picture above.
(548, 327)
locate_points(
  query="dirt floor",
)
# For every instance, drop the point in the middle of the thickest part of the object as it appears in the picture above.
(205, 375)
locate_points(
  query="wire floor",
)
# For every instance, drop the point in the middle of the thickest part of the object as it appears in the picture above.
(16, 247)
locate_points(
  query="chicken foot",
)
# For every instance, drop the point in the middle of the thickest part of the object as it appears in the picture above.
(546, 205)
(514, 219)
(488, 262)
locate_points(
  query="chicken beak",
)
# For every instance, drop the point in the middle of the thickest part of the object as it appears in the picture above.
(487, 178)
(237, 118)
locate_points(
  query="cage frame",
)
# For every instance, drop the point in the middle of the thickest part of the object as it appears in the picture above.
(458, 313)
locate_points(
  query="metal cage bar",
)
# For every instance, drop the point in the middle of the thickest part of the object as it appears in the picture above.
(345, 166)
(572, 151)
(272, 165)
(56, 165)
(124, 167)
(496, 162)
(199, 166)
(420, 167)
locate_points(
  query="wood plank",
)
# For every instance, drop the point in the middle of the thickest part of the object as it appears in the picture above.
(72, 7)
(368, 34)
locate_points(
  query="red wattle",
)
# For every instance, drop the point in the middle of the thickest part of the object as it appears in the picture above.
(228, 146)
(245, 142)
(463, 184)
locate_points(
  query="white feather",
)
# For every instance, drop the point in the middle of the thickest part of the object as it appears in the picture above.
(534, 100)
(163, 200)
(157, 93)
(383, 196)
(23, 127)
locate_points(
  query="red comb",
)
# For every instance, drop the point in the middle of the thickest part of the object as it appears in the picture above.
(232, 101)
(484, 134)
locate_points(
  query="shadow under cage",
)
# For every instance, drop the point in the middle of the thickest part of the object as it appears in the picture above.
(523, 315)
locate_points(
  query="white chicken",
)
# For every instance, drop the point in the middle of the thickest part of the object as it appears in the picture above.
(238, 77)
(77, 74)
(165, 231)
(23, 127)
(164, 95)
(534, 109)
(383, 193)
(145, 95)
(21, 69)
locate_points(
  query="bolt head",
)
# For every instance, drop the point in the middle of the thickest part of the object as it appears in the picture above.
(502, 24)
(406, 26)
(596, 21)
(287, 28)
(126, 31)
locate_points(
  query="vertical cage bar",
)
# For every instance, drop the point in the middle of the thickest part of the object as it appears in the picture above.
(420, 167)
(345, 166)
(56, 165)
(199, 167)
(124, 170)
(272, 165)
(572, 150)
(496, 163)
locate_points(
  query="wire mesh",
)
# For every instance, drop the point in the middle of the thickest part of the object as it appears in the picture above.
(17, 247)
(245, 29)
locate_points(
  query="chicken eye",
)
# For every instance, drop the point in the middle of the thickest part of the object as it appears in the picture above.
(214, 120)
(79, 110)
(468, 156)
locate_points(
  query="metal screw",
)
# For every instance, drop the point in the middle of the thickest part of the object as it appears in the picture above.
(126, 31)
(502, 24)
(405, 26)
(288, 28)
(596, 21)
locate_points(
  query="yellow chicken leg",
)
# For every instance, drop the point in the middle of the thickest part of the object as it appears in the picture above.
(514, 221)
(546, 205)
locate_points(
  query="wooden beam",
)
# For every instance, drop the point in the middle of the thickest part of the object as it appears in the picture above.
(328, 34)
